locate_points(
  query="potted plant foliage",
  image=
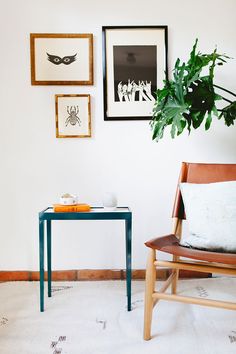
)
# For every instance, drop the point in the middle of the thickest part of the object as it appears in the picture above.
(189, 98)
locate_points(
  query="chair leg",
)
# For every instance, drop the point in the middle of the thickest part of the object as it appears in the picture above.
(176, 278)
(149, 289)
(177, 230)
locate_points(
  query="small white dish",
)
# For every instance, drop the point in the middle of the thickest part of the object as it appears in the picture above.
(68, 199)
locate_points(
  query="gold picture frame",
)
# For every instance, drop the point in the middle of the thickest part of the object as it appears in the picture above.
(73, 116)
(61, 59)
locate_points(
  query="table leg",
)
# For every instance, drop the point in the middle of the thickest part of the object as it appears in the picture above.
(41, 263)
(49, 257)
(128, 237)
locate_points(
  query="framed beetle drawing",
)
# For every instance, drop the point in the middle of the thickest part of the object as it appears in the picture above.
(73, 116)
(134, 67)
(61, 59)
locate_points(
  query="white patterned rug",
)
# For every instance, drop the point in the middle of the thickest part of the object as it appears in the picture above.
(91, 318)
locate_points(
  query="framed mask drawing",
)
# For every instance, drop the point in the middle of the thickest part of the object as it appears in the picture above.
(61, 59)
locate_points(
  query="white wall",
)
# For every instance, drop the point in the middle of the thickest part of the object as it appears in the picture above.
(121, 157)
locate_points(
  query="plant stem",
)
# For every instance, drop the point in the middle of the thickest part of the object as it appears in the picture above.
(226, 99)
(221, 88)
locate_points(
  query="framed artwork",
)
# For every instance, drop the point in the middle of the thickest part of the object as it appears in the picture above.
(73, 116)
(61, 59)
(134, 67)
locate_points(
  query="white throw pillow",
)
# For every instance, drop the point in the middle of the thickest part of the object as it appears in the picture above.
(211, 215)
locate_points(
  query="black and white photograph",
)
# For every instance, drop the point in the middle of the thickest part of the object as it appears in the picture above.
(73, 117)
(61, 59)
(135, 65)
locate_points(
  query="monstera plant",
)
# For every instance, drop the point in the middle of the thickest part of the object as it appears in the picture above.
(190, 97)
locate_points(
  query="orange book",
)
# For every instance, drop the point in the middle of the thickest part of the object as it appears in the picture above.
(59, 208)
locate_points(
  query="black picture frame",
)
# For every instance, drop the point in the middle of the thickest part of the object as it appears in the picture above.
(134, 67)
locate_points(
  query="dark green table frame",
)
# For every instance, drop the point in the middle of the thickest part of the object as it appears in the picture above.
(96, 213)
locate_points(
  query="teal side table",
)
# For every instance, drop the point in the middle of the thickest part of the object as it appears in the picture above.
(96, 213)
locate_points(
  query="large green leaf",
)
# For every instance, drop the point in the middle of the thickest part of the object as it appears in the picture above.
(229, 114)
(190, 97)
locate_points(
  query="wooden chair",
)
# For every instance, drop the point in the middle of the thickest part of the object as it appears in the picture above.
(203, 261)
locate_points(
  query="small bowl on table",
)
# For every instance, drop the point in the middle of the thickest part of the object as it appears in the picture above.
(68, 199)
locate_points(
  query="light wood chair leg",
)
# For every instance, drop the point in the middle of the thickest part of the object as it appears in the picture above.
(177, 231)
(149, 289)
(176, 278)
